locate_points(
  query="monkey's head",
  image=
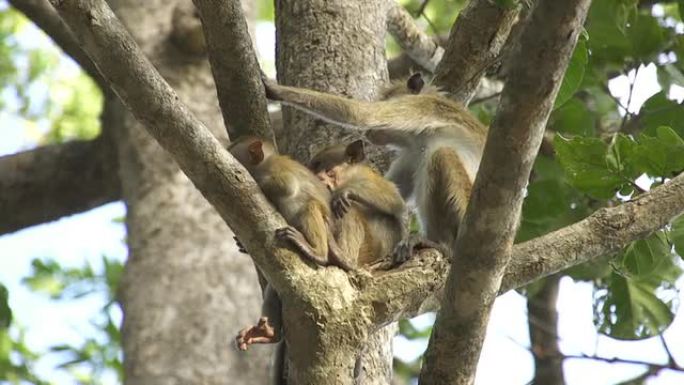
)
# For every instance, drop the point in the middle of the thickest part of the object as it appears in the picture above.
(251, 151)
(413, 85)
(330, 164)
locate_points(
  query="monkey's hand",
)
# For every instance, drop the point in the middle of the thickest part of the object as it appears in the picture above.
(239, 245)
(261, 333)
(340, 204)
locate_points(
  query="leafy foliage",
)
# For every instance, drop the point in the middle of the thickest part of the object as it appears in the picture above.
(55, 100)
(98, 353)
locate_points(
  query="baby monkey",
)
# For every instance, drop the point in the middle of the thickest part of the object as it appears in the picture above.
(298, 196)
(368, 208)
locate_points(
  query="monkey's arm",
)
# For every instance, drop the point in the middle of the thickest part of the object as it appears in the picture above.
(401, 114)
(375, 193)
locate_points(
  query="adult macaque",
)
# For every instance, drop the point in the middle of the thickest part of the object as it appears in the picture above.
(439, 144)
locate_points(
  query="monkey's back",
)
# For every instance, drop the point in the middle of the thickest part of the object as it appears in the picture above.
(292, 188)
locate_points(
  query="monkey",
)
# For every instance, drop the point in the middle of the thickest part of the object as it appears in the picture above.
(298, 196)
(368, 208)
(304, 202)
(438, 142)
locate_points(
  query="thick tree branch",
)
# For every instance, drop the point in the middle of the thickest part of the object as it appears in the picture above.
(220, 178)
(483, 247)
(474, 44)
(604, 232)
(417, 44)
(235, 68)
(50, 182)
(45, 17)
(417, 286)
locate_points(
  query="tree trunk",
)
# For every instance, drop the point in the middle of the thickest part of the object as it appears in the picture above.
(186, 291)
(337, 47)
(543, 326)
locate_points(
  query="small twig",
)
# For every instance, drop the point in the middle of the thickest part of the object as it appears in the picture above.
(629, 97)
(616, 360)
(421, 9)
(616, 100)
(670, 357)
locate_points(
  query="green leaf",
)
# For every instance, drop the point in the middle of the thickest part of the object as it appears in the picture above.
(585, 163)
(662, 155)
(5, 310)
(574, 74)
(573, 117)
(606, 25)
(646, 36)
(641, 258)
(409, 331)
(669, 74)
(620, 157)
(658, 111)
(629, 309)
(592, 270)
(677, 235)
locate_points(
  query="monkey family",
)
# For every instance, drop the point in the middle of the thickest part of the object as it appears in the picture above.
(340, 211)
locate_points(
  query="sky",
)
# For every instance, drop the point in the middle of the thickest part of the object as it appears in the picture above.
(86, 237)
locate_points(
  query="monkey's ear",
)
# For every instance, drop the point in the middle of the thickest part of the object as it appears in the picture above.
(355, 152)
(256, 151)
(415, 83)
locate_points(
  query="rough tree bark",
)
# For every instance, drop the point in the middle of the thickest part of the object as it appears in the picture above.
(337, 47)
(483, 247)
(172, 332)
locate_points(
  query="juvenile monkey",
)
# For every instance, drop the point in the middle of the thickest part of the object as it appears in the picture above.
(439, 144)
(304, 202)
(368, 208)
(298, 196)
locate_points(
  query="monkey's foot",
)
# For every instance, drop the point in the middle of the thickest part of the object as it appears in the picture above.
(406, 248)
(261, 333)
(294, 236)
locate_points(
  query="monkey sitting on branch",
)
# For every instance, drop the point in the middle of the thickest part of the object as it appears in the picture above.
(369, 211)
(304, 202)
(439, 144)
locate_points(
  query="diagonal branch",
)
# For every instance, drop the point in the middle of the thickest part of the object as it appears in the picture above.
(235, 68)
(602, 233)
(45, 17)
(220, 178)
(417, 44)
(417, 286)
(53, 181)
(483, 246)
(475, 42)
